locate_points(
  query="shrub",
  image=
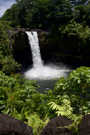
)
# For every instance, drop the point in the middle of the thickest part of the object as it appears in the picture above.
(77, 87)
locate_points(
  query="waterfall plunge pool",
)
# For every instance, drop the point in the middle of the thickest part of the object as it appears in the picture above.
(46, 75)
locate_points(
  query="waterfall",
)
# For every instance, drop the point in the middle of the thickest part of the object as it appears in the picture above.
(34, 44)
(39, 71)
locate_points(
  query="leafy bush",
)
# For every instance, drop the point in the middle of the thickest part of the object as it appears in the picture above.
(76, 29)
(72, 97)
(4, 38)
(9, 65)
(19, 98)
(7, 62)
(77, 87)
(36, 123)
(14, 92)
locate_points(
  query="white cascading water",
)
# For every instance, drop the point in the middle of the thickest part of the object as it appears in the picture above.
(39, 71)
(34, 43)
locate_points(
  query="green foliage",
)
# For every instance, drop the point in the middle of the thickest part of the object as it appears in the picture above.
(81, 14)
(75, 40)
(63, 108)
(14, 93)
(9, 65)
(19, 98)
(7, 62)
(4, 38)
(41, 13)
(76, 30)
(77, 87)
(36, 123)
(38, 13)
(71, 98)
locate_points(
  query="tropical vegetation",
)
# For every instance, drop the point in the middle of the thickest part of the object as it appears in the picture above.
(69, 22)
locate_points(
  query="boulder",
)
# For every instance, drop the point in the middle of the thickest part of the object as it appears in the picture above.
(11, 126)
(84, 126)
(57, 127)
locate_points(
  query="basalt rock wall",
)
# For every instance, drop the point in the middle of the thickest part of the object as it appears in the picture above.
(21, 49)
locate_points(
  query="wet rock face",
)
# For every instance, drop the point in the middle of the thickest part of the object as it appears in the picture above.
(56, 127)
(21, 49)
(84, 127)
(11, 126)
(44, 47)
(49, 47)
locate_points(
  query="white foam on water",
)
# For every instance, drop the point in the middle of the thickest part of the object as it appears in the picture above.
(39, 71)
(46, 73)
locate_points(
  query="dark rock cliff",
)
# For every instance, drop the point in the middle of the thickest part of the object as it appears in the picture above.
(11, 126)
(52, 48)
